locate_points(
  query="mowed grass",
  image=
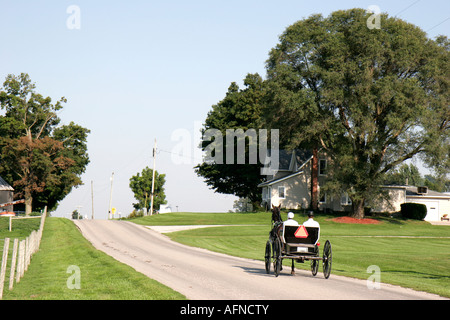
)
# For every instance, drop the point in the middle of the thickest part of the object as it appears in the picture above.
(202, 218)
(413, 254)
(20, 228)
(102, 277)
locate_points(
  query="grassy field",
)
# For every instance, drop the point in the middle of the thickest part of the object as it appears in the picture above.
(102, 277)
(409, 253)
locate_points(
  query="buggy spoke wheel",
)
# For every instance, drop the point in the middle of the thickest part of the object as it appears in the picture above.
(277, 256)
(314, 262)
(314, 267)
(267, 257)
(327, 259)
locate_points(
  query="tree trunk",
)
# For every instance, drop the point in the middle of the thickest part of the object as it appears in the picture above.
(314, 180)
(28, 203)
(358, 209)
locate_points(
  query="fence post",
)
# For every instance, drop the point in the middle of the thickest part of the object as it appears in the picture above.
(33, 242)
(27, 250)
(13, 263)
(20, 259)
(3, 267)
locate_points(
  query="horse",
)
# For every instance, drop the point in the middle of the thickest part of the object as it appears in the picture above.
(277, 222)
(276, 216)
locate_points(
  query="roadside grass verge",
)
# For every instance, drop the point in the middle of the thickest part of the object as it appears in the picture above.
(102, 277)
(411, 254)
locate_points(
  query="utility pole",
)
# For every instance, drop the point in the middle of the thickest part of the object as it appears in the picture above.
(110, 197)
(153, 180)
(92, 196)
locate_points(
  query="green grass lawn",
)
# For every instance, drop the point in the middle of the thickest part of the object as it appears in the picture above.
(201, 218)
(21, 228)
(102, 277)
(421, 263)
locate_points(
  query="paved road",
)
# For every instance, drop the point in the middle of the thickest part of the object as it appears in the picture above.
(203, 275)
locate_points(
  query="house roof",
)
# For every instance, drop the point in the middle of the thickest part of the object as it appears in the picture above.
(413, 192)
(291, 160)
(4, 186)
(274, 181)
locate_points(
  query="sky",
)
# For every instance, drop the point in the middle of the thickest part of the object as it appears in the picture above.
(136, 71)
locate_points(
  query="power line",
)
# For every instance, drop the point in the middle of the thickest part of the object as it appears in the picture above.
(406, 8)
(438, 24)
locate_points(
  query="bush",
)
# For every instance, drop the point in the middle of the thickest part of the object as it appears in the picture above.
(414, 211)
(135, 214)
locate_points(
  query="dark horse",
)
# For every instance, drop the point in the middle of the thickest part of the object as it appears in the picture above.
(276, 216)
(277, 221)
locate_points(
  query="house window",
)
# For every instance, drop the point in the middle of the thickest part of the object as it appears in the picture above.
(282, 192)
(322, 167)
(345, 199)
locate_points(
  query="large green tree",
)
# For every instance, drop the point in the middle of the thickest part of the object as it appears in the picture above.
(141, 185)
(42, 159)
(370, 98)
(240, 109)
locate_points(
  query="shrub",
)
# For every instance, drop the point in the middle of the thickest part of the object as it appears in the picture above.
(135, 214)
(414, 211)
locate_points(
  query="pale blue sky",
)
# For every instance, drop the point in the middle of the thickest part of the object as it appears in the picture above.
(139, 70)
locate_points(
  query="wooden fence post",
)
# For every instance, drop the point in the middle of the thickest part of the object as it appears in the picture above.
(20, 261)
(13, 263)
(27, 253)
(3, 267)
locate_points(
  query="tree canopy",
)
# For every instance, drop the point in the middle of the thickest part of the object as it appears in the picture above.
(42, 159)
(141, 185)
(240, 109)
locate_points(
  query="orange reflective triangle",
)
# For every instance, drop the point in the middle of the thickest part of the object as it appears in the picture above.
(301, 233)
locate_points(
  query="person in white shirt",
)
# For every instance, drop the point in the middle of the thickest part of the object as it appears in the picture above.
(290, 221)
(311, 222)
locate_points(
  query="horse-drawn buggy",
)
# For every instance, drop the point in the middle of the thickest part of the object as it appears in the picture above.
(298, 243)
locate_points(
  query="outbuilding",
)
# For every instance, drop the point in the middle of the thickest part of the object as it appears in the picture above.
(6, 195)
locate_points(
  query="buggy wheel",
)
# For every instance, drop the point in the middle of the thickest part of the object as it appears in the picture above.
(327, 259)
(267, 257)
(277, 257)
(314, 262)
